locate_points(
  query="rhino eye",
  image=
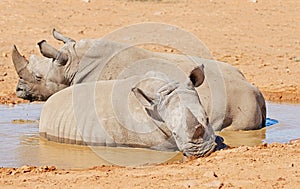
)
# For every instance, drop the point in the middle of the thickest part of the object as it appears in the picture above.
(38, 77)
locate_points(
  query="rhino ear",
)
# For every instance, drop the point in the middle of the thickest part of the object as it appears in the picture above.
(145, 99)
(197, 76)
(50, 52)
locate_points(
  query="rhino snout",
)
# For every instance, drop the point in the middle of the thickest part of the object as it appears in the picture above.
(20, 91)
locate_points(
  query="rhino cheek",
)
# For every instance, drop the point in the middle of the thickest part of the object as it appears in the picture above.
(52, 87)
(32, 92)
(37, 96)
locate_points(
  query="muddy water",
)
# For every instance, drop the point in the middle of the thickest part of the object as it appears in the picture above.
(20, 143)
(287, 128)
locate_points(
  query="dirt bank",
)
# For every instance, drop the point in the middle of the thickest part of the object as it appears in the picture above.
(264, 166)
(261, 39)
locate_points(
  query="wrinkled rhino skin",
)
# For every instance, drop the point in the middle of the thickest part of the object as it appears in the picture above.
(149, 111)
(230, 101)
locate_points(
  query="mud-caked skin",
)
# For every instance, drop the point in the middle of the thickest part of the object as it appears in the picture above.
(230, 101)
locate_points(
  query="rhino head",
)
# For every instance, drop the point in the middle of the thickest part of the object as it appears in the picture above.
(40, 77)
(179, 107)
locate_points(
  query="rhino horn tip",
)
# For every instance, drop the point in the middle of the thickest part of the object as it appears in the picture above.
(54, 31)
(61, 37)
(16, 54)
(15, 49)
(19, 61)
(41, 42)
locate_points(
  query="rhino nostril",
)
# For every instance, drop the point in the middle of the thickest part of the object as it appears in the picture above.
(19, 89)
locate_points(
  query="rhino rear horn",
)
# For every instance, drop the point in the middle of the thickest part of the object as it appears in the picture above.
(61, 37)
(50, 52)
(20, 63)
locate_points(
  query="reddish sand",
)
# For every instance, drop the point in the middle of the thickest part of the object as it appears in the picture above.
(261, 39)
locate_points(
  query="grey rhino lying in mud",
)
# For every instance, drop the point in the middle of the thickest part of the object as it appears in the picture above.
(230, 101)
(147, 111)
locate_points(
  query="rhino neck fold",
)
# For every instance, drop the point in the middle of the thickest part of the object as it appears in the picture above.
(71, 68)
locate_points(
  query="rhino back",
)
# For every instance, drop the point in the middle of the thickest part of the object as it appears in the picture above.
(89, 114)
(223, 93)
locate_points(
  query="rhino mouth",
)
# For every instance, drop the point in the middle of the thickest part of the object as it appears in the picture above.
(199, 149)
(22, 92)
(204, 148)
(24, 95)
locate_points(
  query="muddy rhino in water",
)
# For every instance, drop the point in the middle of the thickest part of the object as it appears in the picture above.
(230, 101)
(149, 111)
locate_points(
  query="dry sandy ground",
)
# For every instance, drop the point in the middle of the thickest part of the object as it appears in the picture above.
(264, 166)
(261, 39)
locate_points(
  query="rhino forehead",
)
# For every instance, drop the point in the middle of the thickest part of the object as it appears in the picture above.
(39, 65)
(181, 97)
(173, 106)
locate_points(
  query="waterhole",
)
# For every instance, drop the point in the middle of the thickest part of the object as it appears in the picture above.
(20, 143)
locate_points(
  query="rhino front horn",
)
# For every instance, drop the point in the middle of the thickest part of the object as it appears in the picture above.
(50, 52)
(20, 63)
(61, 37)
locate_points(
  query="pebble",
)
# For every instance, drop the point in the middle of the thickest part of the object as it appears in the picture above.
(191, 184)
(5, 55)
(47, 168)
(210, 174)
(297, 59)
(281, 179)
(14, 172)
(214, 184)
(294, 141)
(25, 169)
(219, 157)
(158, 13)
